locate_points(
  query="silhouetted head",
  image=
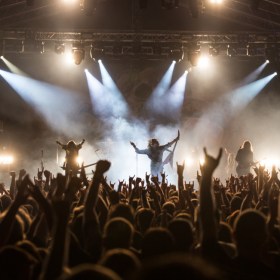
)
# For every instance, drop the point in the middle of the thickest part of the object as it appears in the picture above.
(182, 231)
(90, 271)
(71, 144)
(144, 219)
(118, 233)
(157, 241)
(153, 143)
(247, 145)
(250, 232)
(178, 266)
(122, 261)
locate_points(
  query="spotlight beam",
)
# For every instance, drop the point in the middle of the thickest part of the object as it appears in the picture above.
(49, 101)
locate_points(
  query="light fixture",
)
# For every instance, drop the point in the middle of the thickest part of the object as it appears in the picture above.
(176, 54)
(194, 54)
(231, 51)
(252, 50)
(78, 53)
(194, 58)
(59, 48)
(214, 50)
(96, 53)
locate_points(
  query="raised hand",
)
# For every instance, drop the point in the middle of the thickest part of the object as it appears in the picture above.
(147, 177)
(133, 145)
(13, 174)
(180, 168)
(102, 166)
(211, 163)
(178, 136)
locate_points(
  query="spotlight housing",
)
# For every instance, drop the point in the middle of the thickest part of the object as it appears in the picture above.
(194, 58)
(78, 55)
(176, 55)
(96, 53)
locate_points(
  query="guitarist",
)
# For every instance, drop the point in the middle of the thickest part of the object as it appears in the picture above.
(155, 153)
(72, 153)
(244, 159)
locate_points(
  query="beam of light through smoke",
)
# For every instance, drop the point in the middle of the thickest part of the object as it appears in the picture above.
(214, 120)
(154, 102)
(13, 68)
(252, 76)
(106, 101)
(58, 106)
(174, 98)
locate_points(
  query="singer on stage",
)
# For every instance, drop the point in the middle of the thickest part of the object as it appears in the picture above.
(155, 153)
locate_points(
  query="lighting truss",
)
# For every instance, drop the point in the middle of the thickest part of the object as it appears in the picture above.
(152, 44)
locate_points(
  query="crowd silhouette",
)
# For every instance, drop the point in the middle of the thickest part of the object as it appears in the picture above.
(70, 226)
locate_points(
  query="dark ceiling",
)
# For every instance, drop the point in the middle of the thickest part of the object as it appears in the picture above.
(190, 15)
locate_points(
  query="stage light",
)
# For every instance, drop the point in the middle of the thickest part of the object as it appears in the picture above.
(6, 159)
(216, 1)
(231, 51)
(39, 47)
(59, 48)
(78, 54)
(203, 61)
(251, 51)
(202, 161)
(267, 61)
(79, 160)
(275, 73)
(96, 53)
(189, 161)
(214, 51)
(176, 55)
(194, 57)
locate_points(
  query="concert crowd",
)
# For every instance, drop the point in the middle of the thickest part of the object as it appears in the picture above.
(75, 226)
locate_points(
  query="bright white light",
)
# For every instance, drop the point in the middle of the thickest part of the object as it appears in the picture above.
(69, 2)
(275, 73)
(86, 70)
(203, 61)
(267, 61)
(5, 160)
(79, 160)
(1, 57)
(216, 1)
(69, 58)
(269, 162)
(189, 161)
(201, 161)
